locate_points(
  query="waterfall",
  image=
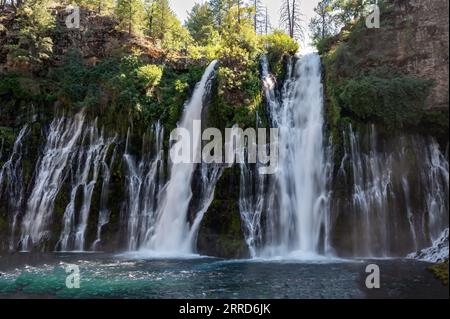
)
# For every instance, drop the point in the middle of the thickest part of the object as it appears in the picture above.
(399, 194)
(144, 181)
(171, 231)
(88, 161)
(297, 208)
(105, 212)
(58, 153)
(209, 176)
(11, 174)
(251, 204)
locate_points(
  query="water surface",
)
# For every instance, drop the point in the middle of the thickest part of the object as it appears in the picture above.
(134, 276)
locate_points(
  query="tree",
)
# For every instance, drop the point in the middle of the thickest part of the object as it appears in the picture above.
(260, 17)
(291, 18)
(163, 26)
(100, 6)
(35, 45)
(267, 24)
(131, 15)
(349, 10)
(222, 8)
(325, 23)
(217, 9)
(200, 23)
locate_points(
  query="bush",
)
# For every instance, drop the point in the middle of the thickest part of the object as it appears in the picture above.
(149, 75)
(397, 101)
(279, 45)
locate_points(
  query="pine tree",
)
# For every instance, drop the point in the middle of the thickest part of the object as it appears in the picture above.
(35, 22)
(131, 15)
(200, 23)
(325, 23)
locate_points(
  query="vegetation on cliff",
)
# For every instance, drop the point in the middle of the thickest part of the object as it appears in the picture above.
(363, 84)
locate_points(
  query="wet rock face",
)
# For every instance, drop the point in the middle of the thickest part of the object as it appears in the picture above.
(220, 233)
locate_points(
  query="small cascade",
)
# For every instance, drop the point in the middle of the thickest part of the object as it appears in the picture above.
(12, 176)
(90, 157)
(105, 212)
(57, 156)
(144, 182)
(209, 176)
(172, 233)
(251, 204)
(253, 190)
(399, 194)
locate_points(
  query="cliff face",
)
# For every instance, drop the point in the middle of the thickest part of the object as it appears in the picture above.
(413, 38)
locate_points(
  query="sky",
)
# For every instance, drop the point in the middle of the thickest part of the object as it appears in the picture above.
(181, 8)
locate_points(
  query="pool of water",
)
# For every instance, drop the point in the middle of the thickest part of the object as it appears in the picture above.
(135, 276)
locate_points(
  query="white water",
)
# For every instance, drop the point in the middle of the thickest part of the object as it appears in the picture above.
(299, 208)
(172, 233)
(105, 212)
(144, 182)
(399, 197)
(438, 253)
(89, 159)
(51, 171)
(11, 174)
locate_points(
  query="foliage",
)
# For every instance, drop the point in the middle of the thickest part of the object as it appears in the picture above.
(440, 271)
(100, 6)
(163, 26)
(200, 24)
(149, 75)
(34, 45)
(349, 10)
(326, 23)
(279, 45)
(131, 15)
(209, 52)
(395, 101)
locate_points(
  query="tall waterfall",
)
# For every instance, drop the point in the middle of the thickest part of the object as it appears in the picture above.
(297, 207)
(171, 232)
(51, 170)
(11, 174)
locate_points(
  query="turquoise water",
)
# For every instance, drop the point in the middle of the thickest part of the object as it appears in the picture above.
(122, 276)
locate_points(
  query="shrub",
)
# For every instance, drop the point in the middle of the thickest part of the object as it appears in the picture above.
(149, 75)
(397, 101)
(279, 45)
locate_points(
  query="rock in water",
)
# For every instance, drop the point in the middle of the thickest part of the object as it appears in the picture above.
(437, 253)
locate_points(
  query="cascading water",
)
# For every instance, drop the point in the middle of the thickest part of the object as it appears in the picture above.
(252, 190)
(88, 160)
(144, 182)
(398, 198)
(251, 204)
(11, 174)
(171, 233)
(209, 176)
(298, 210)
(105, 212)
(51, 170)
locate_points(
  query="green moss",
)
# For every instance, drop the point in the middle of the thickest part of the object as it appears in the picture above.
(440, 271)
